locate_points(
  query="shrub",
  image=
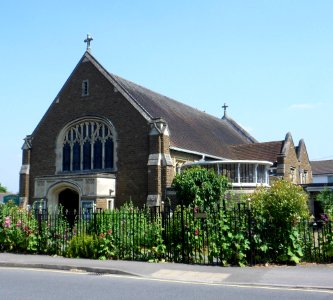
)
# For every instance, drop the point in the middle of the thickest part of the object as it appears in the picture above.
(200, 187)
(325, 197)
(18, 229)
(84, 246)
(277, 211)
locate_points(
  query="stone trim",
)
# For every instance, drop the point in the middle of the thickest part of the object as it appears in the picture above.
(154, 200)
(154, 159)
(25, 169)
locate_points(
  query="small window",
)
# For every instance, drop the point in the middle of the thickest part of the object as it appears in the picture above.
(292, 174)
(329, 179)
(110, 204)
(85, 88)
(305, 177)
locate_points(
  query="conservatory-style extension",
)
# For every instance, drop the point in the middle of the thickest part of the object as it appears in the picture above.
(242, 174)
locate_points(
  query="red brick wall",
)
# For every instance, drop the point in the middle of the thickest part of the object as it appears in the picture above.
(131, 127)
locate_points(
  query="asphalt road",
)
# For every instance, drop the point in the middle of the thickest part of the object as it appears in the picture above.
(16, 283)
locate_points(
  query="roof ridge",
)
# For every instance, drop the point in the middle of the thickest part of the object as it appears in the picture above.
(239, 128)
(319, 160)
(114, 81)
(256, 144)
(128, 93)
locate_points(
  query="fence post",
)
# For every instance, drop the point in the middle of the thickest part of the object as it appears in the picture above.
(39, 220)
(183, 230)
(252, 250)
(95, 222)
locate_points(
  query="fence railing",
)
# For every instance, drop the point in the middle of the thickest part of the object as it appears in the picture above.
(182, 235)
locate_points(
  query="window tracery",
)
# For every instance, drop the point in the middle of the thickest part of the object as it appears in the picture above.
(88, 145)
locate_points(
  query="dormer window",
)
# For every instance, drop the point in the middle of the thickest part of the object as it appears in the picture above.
(85, 88)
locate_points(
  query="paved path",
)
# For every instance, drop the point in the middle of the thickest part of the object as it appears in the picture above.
(302, 276)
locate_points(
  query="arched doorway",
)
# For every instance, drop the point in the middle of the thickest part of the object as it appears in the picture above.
(69, 200)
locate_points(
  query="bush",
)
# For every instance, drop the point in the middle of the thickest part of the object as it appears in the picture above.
(325, 197)
(84, 246)
(18, 229)
(200, 187)
(277, 211)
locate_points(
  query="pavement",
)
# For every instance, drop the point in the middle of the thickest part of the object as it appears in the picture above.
(307, 276)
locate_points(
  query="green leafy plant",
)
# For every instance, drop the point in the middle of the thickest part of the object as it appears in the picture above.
(229, 241)
(3, 189)
(277, 211)
(200, 187)
(106, 247)
(18, 230)
(325, 197)
(84, 246)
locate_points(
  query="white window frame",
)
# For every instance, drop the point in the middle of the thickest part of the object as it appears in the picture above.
(110, 203)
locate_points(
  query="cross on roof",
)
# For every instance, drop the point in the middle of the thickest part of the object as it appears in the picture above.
(225, 106)
(88, 40)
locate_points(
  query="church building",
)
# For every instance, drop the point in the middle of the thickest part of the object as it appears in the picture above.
(105, 140)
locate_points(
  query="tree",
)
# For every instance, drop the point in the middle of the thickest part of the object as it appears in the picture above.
(325, 197)
(3, 189)
(200, 187)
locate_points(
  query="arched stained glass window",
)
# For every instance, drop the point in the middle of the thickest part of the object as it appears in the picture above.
(98, 154)
(88, 145)
(66, 157)
(76, 156)
(108, 153)
(86, 156)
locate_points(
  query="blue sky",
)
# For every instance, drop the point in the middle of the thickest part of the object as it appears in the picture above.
(270, 61)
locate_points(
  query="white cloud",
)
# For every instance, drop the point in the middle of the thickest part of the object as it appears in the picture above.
(302, 106)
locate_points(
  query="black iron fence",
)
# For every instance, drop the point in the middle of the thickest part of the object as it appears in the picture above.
(220, 237)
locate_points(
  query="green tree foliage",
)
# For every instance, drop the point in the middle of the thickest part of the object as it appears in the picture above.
(277, 212)
(200, 187)
(3, 189)
(326, 199)
(283, 203)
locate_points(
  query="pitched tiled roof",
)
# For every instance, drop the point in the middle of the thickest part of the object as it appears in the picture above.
(258, 151)
(321, 167)
(189, 128)
(239, 129)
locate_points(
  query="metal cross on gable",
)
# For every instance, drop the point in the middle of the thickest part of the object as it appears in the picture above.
(88, 41)
(225, 106)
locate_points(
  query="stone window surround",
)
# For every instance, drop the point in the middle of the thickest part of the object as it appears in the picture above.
(85, 88)
(61, 138)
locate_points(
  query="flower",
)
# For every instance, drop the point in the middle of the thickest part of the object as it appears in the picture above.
(19, 223)
(109, 231)
(102, 235)
(324, 217)
(196, 232)
(7, 222)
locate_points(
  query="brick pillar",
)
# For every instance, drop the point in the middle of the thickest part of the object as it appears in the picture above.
(25, 172)
(154, 165)
(160, 168)
(167, 168)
